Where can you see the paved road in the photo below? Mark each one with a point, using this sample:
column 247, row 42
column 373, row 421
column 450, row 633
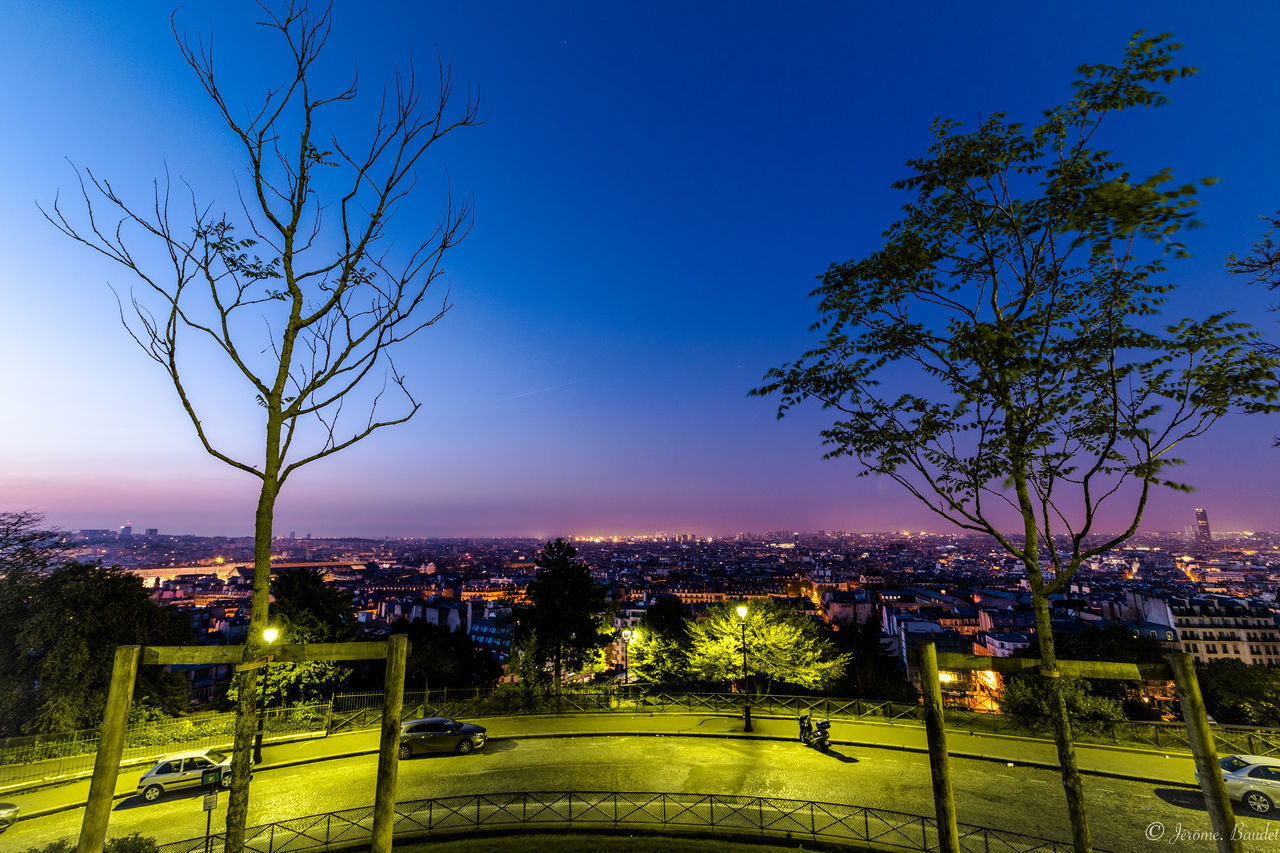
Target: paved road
column 1019, row 798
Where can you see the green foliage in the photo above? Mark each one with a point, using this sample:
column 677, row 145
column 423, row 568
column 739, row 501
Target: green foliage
column 310, row 611
column 659, row 648
column 295, row 683
column 1026, row 700
column 1263, row 261
column 305, row 610
column 873, row 672
column 27, row 552
column 67, row 626
column 135, row 843
column 782, row 646
column 1242, row 694
column 1109, row 643
column 60, row 846
column 27, row 548
column 566, row 624
column 1017, row 300
column 440, row 658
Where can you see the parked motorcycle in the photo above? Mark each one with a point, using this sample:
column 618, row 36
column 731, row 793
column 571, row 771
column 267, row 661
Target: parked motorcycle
column 820, row 737
column 815, row 734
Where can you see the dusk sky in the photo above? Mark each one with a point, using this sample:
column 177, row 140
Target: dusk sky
column 655, row 190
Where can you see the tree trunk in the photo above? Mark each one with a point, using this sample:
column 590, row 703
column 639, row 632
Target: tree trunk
column 1072, row 783
column 249, row 681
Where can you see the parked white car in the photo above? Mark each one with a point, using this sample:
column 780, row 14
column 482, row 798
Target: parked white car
column 1253, row 780
column 183, row 770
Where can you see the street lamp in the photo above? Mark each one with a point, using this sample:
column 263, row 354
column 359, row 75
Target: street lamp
column 626, row 648
column 269, row 635
column 746, row 691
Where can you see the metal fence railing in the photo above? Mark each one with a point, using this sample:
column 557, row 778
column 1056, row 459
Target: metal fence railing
column 360, row 710
column 59, row 756
column 53, row 757
column 830, row 823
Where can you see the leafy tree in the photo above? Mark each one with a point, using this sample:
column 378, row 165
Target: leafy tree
column 1242, row 693
column 1109, row 643
column 1263, row 260
column 305, row 296
column 1028, row 700
column 313, row 611
column 26, row 546
column 305, row 610
column 440, row 658
column 565, row 625
column 872, row 671
column 70, row 627
column 783, row 646
column 1017, row 300
column 27, row 551
column 1262, row 264
column 659, row 648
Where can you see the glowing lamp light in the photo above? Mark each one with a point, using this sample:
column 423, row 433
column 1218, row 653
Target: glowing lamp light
column 270, row 634
column 946, row 677
column 742, row 611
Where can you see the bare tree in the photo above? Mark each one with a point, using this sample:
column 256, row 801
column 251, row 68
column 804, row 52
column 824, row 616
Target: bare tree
column 302, row 292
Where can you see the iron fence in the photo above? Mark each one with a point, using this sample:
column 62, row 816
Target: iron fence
column 49, row 757
column 720, row 814
column 1171, row 737
column 44, row 758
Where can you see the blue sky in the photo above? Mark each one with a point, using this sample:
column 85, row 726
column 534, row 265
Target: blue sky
column 655, row 189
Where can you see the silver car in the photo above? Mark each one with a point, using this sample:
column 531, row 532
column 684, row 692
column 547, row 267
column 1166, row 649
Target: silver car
column 8, row 815
column 439, row 734
column 183, row 770
column 1254, row 780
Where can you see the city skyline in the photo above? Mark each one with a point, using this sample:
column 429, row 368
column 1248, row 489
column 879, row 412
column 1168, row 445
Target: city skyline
column 655, row 190
column 1197, row 531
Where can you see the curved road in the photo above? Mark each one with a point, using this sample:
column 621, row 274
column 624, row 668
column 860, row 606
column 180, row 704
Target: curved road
column 1020, row 799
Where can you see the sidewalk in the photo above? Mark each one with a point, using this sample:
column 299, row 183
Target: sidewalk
column 1123, row 763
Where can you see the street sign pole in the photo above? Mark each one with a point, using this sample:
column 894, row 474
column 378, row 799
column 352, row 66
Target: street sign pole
column 212, row 780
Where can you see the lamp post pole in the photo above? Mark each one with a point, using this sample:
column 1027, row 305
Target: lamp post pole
column 746, row 690
column 626, row 652
column 269, row 635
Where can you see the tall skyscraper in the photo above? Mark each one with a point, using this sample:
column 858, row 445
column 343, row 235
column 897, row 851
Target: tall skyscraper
column 1203, row 535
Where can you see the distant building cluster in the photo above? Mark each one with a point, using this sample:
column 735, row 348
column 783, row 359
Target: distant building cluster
column 1213, row 598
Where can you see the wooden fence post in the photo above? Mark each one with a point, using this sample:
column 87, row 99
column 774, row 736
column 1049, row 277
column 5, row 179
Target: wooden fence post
column 106, row 766
column 384, row 804
column 1221, row 816
column 935, row 728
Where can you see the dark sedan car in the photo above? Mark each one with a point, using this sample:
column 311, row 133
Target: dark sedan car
column 439, row 734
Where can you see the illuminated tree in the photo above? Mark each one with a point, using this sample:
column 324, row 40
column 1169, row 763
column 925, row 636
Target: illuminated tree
column 783, row 646
column 302, row 290
column 659, row 649
column 1016, row 300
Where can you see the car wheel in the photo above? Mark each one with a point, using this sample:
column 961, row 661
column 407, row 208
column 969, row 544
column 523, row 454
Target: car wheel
column 226, row 780
column 151, row 792
column 1258, row 802
column 464, row 746
column 405, row 752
